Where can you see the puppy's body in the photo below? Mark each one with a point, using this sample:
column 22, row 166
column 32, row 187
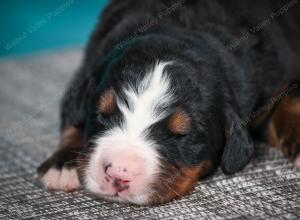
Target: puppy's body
column 224, row 60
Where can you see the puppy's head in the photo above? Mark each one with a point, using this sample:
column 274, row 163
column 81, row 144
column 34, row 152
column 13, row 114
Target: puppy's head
column 152, row 132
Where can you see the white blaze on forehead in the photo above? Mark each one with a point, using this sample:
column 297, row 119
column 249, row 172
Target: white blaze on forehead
column 145, row 102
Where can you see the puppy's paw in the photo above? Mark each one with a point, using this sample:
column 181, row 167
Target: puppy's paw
column 59, row 172
column 65, row 179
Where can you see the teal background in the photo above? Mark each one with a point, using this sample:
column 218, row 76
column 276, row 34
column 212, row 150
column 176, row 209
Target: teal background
column 31, row 26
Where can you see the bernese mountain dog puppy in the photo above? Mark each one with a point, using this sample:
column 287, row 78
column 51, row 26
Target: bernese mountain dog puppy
column 169, row 90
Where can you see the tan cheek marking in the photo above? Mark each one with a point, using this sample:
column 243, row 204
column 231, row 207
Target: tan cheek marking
column 72, row 137
column 180, row 182
column 107, row 102
column 179, row 122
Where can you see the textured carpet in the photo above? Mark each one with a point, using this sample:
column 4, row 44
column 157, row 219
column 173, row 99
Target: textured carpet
column 30, row 90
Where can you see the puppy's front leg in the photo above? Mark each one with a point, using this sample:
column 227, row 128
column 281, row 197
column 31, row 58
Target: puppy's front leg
column 59, row 172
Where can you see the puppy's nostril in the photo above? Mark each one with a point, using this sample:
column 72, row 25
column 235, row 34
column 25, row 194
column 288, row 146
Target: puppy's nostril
column 106, row 166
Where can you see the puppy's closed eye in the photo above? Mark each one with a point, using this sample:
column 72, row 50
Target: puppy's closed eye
column 179, row 122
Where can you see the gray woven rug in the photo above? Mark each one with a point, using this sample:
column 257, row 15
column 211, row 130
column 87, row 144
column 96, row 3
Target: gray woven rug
column 30, row 90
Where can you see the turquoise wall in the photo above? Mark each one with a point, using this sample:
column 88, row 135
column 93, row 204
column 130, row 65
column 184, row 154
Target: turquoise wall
column 30, row 26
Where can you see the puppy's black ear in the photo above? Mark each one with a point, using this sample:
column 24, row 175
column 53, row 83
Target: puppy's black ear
column 239, row 146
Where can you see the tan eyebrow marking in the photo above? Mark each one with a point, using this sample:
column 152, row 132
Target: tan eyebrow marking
column 107, row 102
column 179, row 122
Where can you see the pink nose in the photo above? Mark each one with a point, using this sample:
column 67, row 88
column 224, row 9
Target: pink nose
column 118, row 178
column 124, row 169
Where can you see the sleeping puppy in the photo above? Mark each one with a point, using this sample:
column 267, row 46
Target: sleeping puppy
column 168, row 91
